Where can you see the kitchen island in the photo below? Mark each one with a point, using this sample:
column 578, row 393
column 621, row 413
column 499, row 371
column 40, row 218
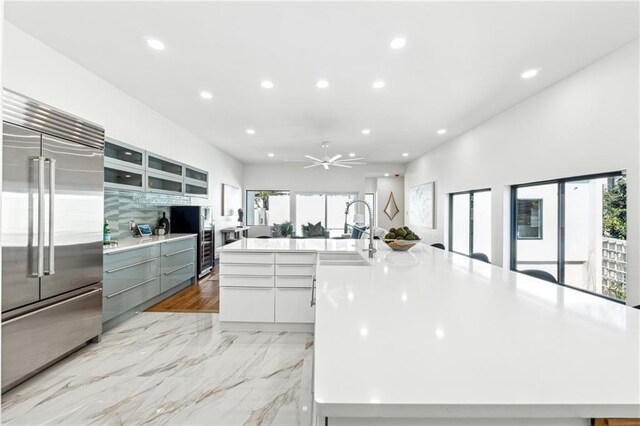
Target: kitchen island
column 427, row 335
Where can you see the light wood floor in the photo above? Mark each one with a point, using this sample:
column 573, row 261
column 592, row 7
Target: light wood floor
column 203, row 296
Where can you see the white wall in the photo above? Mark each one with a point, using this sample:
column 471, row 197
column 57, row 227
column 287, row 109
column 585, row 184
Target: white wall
column 33, row 69
column 359, row 179
column 385, row 186
column 584, row 124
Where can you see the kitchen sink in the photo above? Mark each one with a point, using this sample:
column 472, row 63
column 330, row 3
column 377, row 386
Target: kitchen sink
column 342, row 259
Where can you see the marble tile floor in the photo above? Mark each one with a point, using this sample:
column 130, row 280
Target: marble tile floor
column 172, row 368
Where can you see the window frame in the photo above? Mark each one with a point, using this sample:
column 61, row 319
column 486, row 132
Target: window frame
column 325, row 195
column 471, row 194
column 561, row 261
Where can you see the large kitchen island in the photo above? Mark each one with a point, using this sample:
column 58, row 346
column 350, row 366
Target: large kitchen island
column 427, row 337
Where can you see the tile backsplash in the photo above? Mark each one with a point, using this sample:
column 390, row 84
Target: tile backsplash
column 143, row 208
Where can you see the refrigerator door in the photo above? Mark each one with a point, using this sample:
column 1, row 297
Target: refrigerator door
column 73, row 216
column 20, row 220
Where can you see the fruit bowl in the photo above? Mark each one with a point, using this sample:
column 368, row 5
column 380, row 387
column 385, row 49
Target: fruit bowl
column 400, row 245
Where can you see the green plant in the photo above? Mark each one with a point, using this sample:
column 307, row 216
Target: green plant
column 614, row 212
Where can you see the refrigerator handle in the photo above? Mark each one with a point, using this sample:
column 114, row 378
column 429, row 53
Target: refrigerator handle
column 40, row 260
column 52, row 198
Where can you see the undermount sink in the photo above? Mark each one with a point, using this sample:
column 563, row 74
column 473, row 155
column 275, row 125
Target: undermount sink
column 342, row 259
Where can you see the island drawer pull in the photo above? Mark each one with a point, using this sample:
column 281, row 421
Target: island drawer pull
column 313, row 292
column 247, row 264
column 177, row 269
column 295, row 276
column 130, row 266
column 130, row 288
column 245, row 276
column 178, row 252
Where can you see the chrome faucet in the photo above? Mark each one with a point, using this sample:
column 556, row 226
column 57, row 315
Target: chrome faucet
column 371, row 249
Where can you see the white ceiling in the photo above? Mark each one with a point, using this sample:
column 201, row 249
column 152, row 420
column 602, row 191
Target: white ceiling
column 461, row 65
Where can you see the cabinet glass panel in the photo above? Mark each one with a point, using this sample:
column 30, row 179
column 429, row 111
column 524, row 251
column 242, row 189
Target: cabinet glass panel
column 121, row 153
column 164, row 165
column 195, row 190
column 195, row 174
column 121, row 177
column 160, row 184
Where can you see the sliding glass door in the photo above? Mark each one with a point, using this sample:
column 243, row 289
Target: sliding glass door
column 470, row 222
column 326, row 208
column 574, row 229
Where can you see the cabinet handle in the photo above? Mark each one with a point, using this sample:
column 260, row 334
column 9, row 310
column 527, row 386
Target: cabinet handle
column 130, row 288
column 313, row 292
column 178, row 252
column 130, row 266
column 246, row 276
column 177, row 269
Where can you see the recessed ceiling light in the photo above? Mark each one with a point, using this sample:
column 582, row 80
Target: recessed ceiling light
column 322, row 84
column 405, row 154
column 352, row 154
column 530, row 73
column 441, row 131
column 206, row 95
column 271, row 154
column 398, row 43
column 378, row 84
column 251, row 132
column 366, row 131
column 266, row 84
column 386, row 174
column 155, row 44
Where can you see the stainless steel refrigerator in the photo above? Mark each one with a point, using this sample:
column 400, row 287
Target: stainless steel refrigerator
column 197, row 220
column 52, row 218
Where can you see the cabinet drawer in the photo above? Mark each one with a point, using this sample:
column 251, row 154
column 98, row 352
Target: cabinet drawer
column 130, row 257
column 294, row 305
column 117, row 279
column 177, row 275
column 246, row 269
column 247, row 304
column 246, row 281
column 295, row 269
column 296, row 258
column 176, row 259
column 172, row 248
column 294, row 281
column 245, row 257
column 130, row 297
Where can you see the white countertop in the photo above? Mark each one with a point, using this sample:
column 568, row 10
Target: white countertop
column 133, row 243
column 294, row 244
column 431, row 333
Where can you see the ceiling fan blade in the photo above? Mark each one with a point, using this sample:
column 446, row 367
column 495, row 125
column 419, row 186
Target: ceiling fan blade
column 331, row 160
column 353, row 159
column 313, row 158
column 342, row 165
column 326, row 166
column 351, row 164
column 312, row 165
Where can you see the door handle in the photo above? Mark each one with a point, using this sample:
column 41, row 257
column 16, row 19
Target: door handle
column 52, row 198
column 40, row 259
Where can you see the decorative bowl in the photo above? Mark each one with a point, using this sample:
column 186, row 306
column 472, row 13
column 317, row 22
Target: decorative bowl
column 401, row 245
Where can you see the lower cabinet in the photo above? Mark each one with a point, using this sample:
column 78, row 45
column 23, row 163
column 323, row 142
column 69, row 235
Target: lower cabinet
column 294, row 305
column 247, row 304
column 134, row 277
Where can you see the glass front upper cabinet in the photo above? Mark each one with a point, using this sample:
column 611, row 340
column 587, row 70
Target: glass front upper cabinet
column 163, row 165
column 126, row 178
column 121, row 154
column 196, row 182
column 164, row 184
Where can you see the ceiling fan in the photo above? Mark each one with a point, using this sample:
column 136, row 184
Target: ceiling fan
column 335, row 161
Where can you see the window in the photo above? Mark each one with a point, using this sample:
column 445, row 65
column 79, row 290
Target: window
column 574, row 229
column 470, row 222
column 327, row 209
column 529, row 219
column 266, row 207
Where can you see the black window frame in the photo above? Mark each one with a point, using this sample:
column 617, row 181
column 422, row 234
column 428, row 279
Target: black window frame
column 561, row 261
column 471, row 194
